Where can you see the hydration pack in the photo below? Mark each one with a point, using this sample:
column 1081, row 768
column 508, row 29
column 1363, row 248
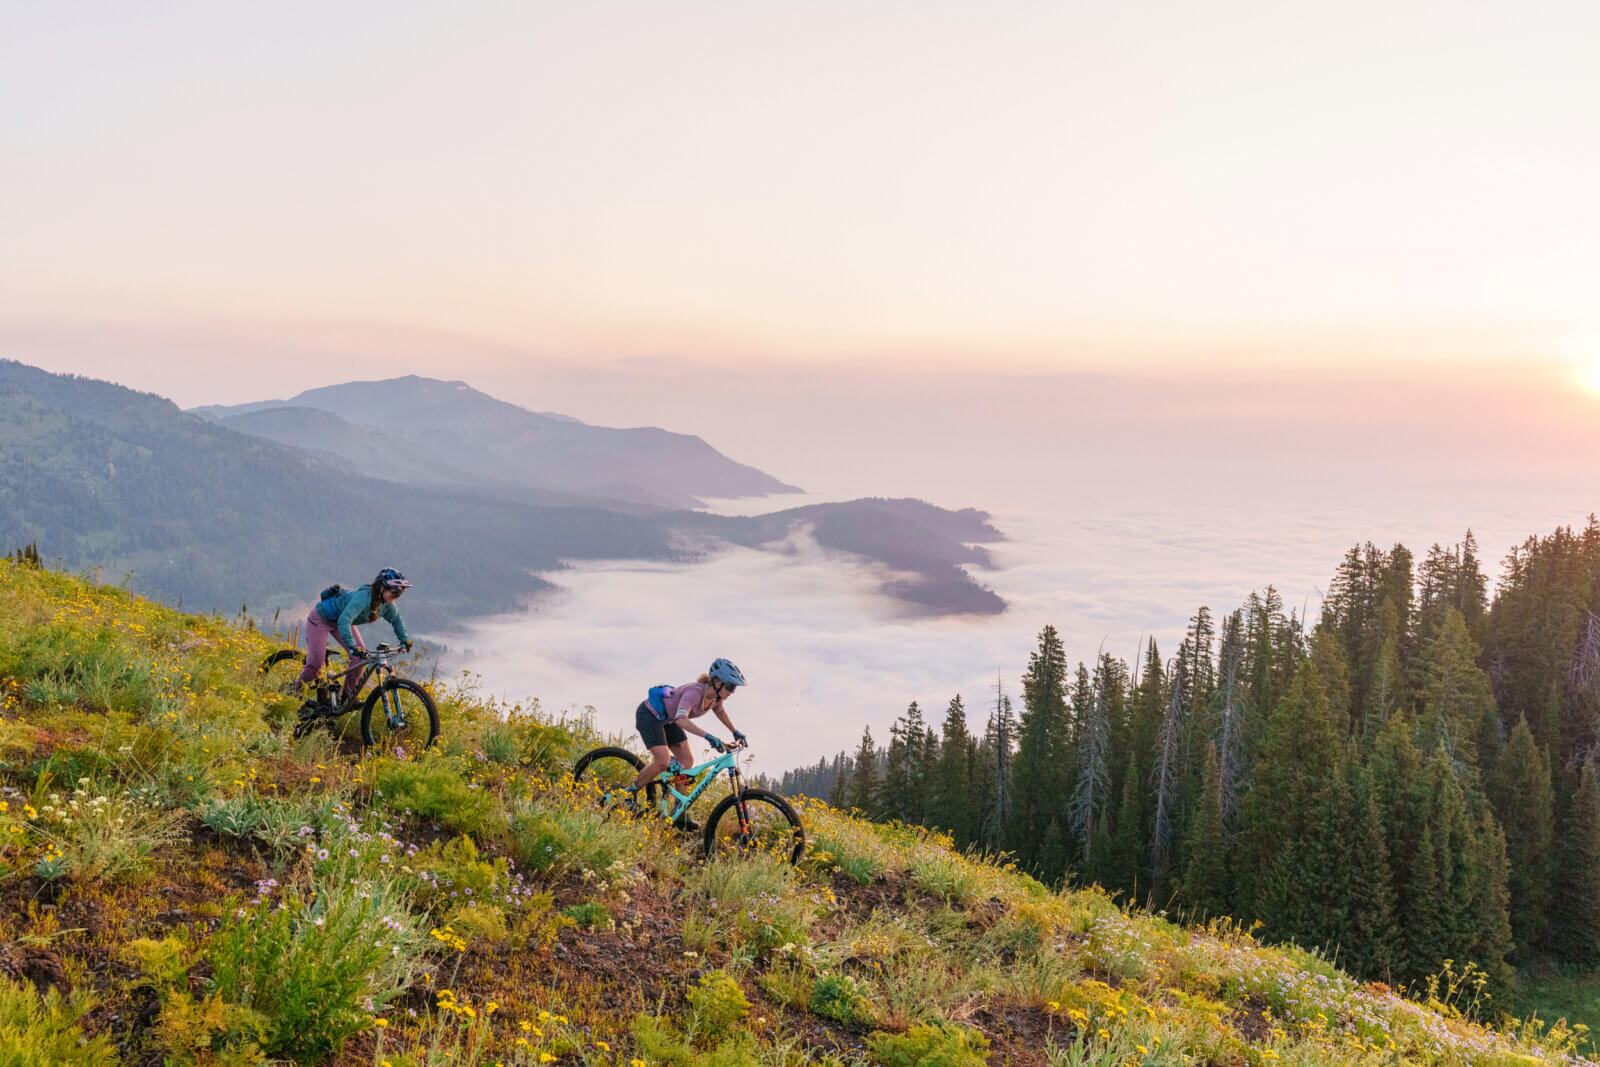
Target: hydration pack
column 325, row 602
column 657, row 699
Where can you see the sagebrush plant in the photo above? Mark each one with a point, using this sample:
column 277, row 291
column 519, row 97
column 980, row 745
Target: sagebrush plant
column 316, row 969
column 433, row 790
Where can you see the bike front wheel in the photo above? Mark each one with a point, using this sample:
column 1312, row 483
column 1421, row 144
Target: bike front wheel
column 400, row 717
column 755, row 821
column 610, row 773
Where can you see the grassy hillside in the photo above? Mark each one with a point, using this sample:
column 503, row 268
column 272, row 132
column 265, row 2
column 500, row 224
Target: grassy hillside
column 181, row 882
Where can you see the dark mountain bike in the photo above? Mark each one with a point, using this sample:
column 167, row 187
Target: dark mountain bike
column 407, row 712
column 747, row 820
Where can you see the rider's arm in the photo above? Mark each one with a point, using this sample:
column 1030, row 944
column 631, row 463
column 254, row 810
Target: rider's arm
column 723, row 715
column 392, row 613
column 349, row 615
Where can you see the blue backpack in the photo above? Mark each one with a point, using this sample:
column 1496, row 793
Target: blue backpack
column 325, row 600
column 657, row 699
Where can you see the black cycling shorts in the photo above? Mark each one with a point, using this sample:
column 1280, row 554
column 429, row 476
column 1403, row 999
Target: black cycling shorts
column 654, row 731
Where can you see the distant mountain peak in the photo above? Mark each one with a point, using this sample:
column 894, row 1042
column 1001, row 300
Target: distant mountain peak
column 465, row 431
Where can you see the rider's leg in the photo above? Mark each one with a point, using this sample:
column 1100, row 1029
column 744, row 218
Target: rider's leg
column 317, row 631
column 653, row 732
column 679, row 743
column 351, row 674
column 659, row 758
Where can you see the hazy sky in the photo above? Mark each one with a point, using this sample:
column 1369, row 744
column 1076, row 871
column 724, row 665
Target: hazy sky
column 1191, row 297
column 1047, row 186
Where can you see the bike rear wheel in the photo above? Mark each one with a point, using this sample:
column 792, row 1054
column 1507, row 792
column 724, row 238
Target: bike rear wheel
column 755, row 821
column 610, row 773
column 400, row 717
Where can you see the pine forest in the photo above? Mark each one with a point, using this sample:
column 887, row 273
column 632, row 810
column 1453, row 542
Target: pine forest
column 1412, row 782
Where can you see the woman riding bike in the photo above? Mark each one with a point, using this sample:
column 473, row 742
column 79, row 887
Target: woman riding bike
column 338, row 615
column 668, row 711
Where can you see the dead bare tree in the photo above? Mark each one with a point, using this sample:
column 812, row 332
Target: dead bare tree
column 1091, row 792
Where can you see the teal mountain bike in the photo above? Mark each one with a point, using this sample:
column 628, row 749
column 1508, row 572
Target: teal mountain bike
column 748, row 819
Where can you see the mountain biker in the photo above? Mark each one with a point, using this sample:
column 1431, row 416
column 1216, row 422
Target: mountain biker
column 669, row 710
column 338, row 616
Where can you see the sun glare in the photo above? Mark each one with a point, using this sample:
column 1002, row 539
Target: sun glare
column 1589, row 377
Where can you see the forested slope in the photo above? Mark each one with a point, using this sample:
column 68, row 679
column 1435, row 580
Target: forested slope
column 1410, row 780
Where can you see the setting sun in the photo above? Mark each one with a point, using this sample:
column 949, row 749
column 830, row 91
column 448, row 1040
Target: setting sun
column 1589, row 376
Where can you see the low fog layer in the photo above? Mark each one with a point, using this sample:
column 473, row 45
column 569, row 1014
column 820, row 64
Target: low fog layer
column 826, row 657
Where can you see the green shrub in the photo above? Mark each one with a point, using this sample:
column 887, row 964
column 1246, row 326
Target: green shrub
column 591, row 915
column 550, row 838
column 841, row 997
column 479, row 921
column 830, row 854
column 788, row 983
column 45, row 1030
column 316, row 970
column 660, row 1043
column 758, row 897
column 945, row 876
column 930, row 1045
column 719, row 1002
column 451, row 875
column 433, row 790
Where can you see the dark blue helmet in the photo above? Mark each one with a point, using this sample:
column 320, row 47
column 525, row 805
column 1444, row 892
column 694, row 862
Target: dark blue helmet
column 725, row 672
column 389, row 578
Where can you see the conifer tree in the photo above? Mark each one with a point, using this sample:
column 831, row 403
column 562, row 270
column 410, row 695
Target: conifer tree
column 1425, row 936
column 1167, row 776
column 1386, row 691
column 1371, row 938
column 1040, row 773
column 1122, row 865
column 953, row 777
column 901, row 795
column 863, row 793
column 1523, row 801
column 1577, row 919
column 1303, row 752
column 1493, row 943
column 1000, row 733
column 1333, row 667
column 1205, row 873
column 1456, row 695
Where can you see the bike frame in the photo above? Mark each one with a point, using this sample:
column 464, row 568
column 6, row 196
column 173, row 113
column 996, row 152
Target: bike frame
column 703, row 774
column 377, row 661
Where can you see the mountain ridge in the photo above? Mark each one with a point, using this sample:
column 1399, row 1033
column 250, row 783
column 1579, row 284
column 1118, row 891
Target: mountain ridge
column 463, row 430
column 99, row 474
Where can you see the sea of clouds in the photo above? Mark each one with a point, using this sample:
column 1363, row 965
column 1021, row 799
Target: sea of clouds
column 1117, row 530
